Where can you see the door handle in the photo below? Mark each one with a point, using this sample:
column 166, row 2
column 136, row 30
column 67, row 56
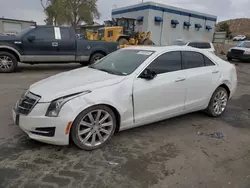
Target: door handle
column 54, row 44
column 180, row 79
column 215, row 71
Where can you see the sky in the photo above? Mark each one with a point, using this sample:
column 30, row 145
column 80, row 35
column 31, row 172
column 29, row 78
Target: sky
column 224, row 9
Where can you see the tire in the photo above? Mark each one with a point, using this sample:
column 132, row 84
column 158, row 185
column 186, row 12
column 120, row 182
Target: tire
column 89, row 130
column 229, row 58
column 84, row 63
column 95, row 57
column 147, row 42
column 123, row 41
column 220, row 97
column 8, row 62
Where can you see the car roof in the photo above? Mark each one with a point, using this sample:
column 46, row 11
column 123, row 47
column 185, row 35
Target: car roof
column 160, row 49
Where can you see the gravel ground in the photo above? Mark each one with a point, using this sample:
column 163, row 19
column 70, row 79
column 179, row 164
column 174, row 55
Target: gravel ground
column 167, row 154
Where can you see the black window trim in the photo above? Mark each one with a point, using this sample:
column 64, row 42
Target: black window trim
column 208, row 59
column 146, row 66
column 193, row 67
column 184, row 67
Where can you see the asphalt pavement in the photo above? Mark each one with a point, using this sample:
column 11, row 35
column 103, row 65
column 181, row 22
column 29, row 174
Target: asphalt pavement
column 181, row 152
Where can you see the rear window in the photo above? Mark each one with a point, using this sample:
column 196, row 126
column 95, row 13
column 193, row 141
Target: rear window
column 200, row 45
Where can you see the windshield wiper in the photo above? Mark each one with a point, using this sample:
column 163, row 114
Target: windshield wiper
column 113, row 72
column 109, row 71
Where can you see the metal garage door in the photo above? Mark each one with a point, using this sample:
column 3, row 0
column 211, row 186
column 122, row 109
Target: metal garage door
column 10, row 27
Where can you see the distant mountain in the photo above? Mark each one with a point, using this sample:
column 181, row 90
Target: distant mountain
column 240, row 26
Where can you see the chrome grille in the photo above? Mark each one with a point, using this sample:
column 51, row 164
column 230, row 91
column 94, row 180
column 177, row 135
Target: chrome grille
column 27, row 103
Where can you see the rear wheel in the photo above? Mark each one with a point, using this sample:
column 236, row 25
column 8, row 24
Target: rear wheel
column 147, row 42
column 123, row 41
column 218, row 102
column 94, row 127
column 95, row 57
column 8, row 62
column 229, row 58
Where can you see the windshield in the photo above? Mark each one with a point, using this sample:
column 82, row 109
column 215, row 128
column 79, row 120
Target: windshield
column 243, row 44
column 122, row 62
column 179, row 43
column 23, row 32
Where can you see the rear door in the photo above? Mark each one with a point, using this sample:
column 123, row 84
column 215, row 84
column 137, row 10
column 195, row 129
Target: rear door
column 66, row 43
column 202, row 76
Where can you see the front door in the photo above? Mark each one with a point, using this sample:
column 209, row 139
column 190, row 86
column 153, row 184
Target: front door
column 42, row 44
column 165, row 94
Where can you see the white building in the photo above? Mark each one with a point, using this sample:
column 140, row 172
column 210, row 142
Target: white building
column 168, row 23
column 12, row 26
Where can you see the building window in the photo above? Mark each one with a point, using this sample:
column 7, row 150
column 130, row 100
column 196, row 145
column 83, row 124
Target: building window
column 208, row 27
column 174, row 23
column 198, row 26
column 186, row 25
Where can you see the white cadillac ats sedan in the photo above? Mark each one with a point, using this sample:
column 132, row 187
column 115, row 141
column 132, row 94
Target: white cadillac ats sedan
column 128, row 88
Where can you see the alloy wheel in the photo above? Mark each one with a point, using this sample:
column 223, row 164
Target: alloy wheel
column 95, row 128
column 220, row 102
column 5, row 63
column 97, row 58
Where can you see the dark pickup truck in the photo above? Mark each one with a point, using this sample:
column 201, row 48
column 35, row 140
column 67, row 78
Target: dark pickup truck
column 50, row 44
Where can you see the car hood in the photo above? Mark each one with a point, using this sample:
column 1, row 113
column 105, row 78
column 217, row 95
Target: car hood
column 71, row 82
column 240, row 48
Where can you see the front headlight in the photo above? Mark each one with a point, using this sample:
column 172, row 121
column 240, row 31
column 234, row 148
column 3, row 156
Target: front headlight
column 247, row 52
column 56, row 105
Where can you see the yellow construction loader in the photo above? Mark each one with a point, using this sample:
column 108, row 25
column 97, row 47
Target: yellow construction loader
column 91, row 35
column 122, row 30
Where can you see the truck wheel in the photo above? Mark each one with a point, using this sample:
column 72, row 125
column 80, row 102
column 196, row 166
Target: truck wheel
column 95, row 57
column 229, row 58
column 123, row 41
column 148, row 42
column 93, row 127
column 8, row 62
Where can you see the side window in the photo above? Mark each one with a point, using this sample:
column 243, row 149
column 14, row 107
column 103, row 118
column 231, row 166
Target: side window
column 44, row 33
column 208, row 62
column 65, row 34
column 110, row 33
column 193, row 60
column 168, row 62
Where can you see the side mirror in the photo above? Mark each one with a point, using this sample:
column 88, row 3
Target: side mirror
column 31, row 38
column 148, row 74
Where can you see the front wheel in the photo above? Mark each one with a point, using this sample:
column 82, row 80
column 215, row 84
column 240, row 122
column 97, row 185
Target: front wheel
column 148, row 42
column 229, row 58
column 95, row 57
column 8, row 62
column 218, row 102
column 94, row 127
